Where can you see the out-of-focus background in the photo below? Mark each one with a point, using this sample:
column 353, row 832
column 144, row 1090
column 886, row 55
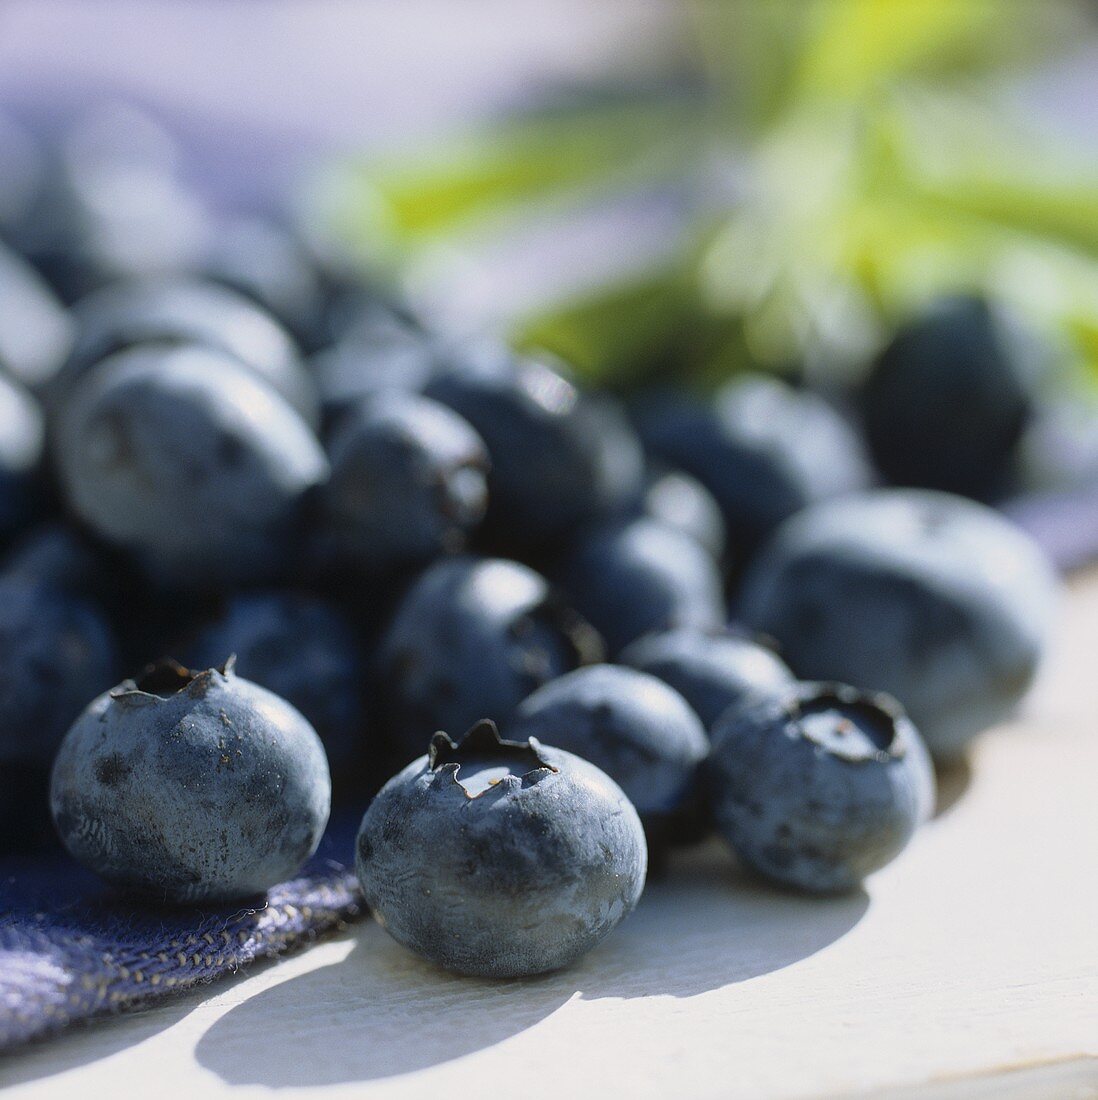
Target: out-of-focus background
column 803, row 164
column 651, row 189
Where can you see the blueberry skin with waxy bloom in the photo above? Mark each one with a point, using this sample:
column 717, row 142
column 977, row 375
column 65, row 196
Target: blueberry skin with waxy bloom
column 57, row 650
column 682, row 503
column 634, row 727
column 408, row 482
column 35, row 329
column 191, row 787
column 170, row 312
column 711, row 670
column 634, row 577
column 186, row 459
column 933, row 598
column 820, row 786
column 947, row 401
column 763, row 449
column 382, row 352
column 22, row 438
column 303, row 648
column 500, row 859
column 473, row 636
column 559, row 458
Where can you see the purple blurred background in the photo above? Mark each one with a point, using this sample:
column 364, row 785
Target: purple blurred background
column 252, row 87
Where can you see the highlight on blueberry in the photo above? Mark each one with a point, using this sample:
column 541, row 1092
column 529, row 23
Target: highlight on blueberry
column 190, row 462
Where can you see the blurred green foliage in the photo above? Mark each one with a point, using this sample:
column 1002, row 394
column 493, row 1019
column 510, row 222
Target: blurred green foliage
column 844, row 161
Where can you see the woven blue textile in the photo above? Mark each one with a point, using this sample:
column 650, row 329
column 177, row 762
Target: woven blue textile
column 70, row 949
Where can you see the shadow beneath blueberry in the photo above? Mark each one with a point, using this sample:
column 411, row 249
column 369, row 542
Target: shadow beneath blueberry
column 953, row 779
column 92, row 1040
column 701, row 926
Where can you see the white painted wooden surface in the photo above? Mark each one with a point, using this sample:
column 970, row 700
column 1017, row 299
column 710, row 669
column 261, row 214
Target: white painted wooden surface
column 970, row 964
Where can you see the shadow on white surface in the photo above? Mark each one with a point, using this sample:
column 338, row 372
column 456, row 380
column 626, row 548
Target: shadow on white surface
column 953, row 778
column 382, row 1012
column 88, row 1042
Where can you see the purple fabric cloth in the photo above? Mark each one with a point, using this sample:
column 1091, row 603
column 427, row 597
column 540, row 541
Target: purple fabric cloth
column 71, row 950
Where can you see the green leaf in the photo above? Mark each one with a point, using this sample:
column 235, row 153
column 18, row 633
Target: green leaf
column 403, row 201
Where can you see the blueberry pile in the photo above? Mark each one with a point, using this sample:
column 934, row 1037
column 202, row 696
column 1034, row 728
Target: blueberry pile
column 309, row 535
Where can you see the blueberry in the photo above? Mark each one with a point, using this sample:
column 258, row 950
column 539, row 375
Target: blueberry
column 263, row 261
column 473, row 637
column 35, row 329
column 22, row 434
column 25, row 825
column 558, row 458
column 189, row 460
column 634, row 727
column 22, row 170
column 499, row 858
column 59, row 554
column 181, row 311
column 301, row 647
column 407, row 482
column 381, row 353
column 947, row 401
column 763, row 449
column 191, row 787
column 682, row 503
column 111, row 207
column 819, row 786
column 634, row 577
column 57, row 651
column 933, row 598
column 711, row 670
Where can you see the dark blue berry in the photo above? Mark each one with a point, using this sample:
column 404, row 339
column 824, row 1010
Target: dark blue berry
column 947, row 401
column 682, row 503
column 407, row 482
column 634, row 577
column 303, row 648
column 499, row 858
column 57, row 651
column 711, row 670
column 819, row 786
column 558, row 458
column 190, row 461
column 473, row 637
column 634, row 727
column 191, row 788
column 177, row 311
column 763, row 449
column 932, row 598
column 261, row 260
column 22, row 436
column 35, row 330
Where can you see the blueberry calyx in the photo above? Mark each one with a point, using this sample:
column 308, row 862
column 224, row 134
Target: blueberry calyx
column 166, row 678
column 482, row 746
column 876, row 716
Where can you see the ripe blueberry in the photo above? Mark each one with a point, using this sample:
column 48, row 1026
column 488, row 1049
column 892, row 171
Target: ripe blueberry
column 500, row 858
column 820, row 785
column 191, row 787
